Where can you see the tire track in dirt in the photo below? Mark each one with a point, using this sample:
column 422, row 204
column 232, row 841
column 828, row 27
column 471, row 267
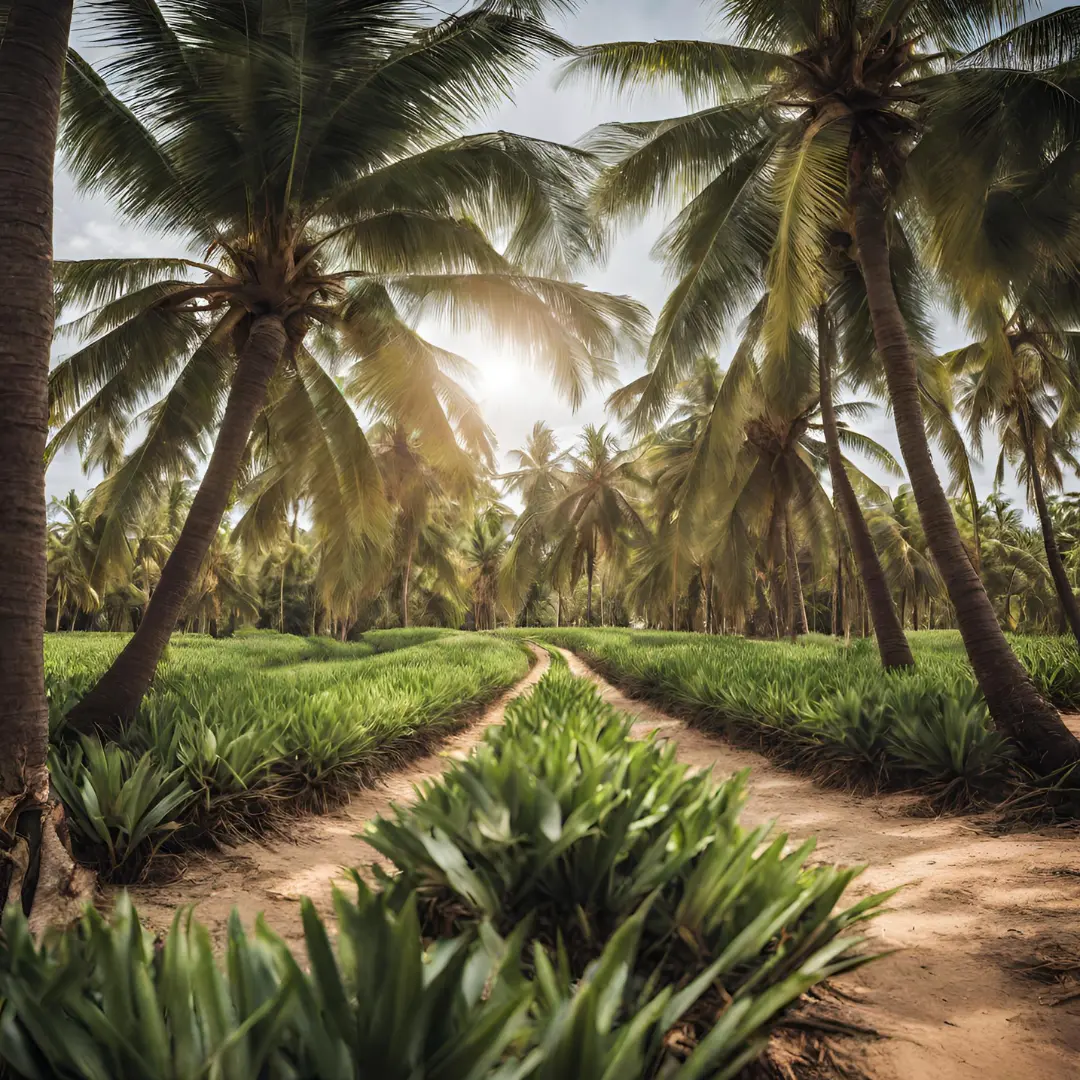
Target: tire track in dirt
column 972, row 905
column 270, row 876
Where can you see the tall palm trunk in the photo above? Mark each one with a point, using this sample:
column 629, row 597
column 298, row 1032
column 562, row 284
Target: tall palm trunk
column 405, row 590
column 1018, row 709
column 123, row 686
column 675, row 584
column 838, row 597
column 792, row 568
column 33, row 51
column 589, row 567
column 892, row 643
column 1066, row 597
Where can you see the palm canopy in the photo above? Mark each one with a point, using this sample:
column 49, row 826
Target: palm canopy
column 312, row 154
column 814, row 100
column 599, row 507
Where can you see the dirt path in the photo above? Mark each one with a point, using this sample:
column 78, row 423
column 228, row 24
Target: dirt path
column 272, row 876
column 972, row 906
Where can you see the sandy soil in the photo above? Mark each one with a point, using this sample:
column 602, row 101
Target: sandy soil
column 973, row 906
column 272, row 876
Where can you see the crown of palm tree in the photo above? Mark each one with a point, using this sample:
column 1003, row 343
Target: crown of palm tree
column 312, row 154
column 815, row 98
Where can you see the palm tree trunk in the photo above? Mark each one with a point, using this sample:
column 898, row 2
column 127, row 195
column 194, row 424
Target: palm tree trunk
column 1066, row 596
column 558, row 609
column 839, row 614
column 589, row 573
column 800, row 596
column 792, row 572
column 33, row 51
column 124, row 685
column 674, row 583
column 406, row 573
column 1018, row 709
column 281, row 602
column 892, row 644
column 915, row 609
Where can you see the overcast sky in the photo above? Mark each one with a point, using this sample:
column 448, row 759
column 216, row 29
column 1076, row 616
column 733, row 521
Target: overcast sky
column 512, row 395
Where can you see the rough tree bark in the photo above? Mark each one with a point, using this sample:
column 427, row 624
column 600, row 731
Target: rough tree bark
column 1018, row 710
column 36, row 868
column 121, row 689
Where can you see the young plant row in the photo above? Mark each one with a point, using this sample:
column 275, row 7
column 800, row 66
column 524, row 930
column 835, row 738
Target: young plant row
column 831, row 709
column 237, row 735
column 571, row 905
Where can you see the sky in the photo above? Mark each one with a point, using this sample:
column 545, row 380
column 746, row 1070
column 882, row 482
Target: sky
column 512, row 394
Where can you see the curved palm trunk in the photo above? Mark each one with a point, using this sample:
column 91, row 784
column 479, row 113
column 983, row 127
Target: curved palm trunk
column 1018, row 709
column 892, row 643
column 123, row 686
column 1067, row 598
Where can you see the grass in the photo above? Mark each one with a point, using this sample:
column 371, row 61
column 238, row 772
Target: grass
column 237, row 735
column 830, row 709
column 571, row 905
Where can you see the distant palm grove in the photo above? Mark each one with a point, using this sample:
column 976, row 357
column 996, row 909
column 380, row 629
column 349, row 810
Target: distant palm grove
column 278, row 442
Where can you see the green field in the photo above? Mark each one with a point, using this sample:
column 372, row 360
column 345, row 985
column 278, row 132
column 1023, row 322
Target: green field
column 829, row 707
column 567, row 898
column 237, row 734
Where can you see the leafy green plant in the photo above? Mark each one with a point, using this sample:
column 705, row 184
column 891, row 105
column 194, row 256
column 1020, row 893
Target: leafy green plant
column 829, row 709
column 120, row 808
column 259, row 727
column 382, row 1006
column 103, row 1001
column 950, row 750
column 561, row 819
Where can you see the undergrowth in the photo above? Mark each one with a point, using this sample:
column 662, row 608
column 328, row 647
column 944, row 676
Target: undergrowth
column 238, row 736
column 571, row 905
column 831, row 710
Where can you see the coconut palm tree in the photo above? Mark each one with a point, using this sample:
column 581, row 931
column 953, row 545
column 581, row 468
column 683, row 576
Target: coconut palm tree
column 899, row 536
column 486, row 545
column 599, row 507
column 314, row 160
column 1017, row 391
column 75, row 572
column 802, row 134
column 33, row 40
column 539, row 479
column 888, row 627
column 419, row 489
